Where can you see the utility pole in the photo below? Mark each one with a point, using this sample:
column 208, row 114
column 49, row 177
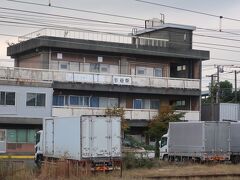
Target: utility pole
column 212, row 99
column 218, row 85
column 235, row 86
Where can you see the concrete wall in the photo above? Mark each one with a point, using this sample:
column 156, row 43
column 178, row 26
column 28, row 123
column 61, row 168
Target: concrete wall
column 20, row 109
column 180, row 39
column 39, row 60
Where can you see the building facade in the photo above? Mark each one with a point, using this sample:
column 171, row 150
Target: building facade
column 92, row 71
column 22, row 107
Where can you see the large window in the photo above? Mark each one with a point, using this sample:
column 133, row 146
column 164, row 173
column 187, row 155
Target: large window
column 154, row 104
column 158, row 72
column 36, row 99
column 7, row 98
column 138, row 104
column 94, row 67
column 58, row 100
column 108, row 102
column 97, row 67
column 140, row 71
column 21, row 135
column 79, row 101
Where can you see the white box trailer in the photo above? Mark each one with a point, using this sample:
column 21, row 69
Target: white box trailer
column 199, row 140
column 235, row 142
column 80, row 138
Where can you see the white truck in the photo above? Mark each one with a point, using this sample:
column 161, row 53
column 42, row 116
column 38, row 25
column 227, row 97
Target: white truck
column 200, row 141
column 95, row 139
column 235, row 142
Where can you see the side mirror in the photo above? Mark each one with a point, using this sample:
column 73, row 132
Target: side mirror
column 160, row 144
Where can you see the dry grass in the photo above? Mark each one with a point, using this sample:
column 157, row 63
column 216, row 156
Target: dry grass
column 60, row 172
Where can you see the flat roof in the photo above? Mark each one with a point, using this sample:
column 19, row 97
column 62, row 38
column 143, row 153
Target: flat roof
column 166, row 25
column 103, row 47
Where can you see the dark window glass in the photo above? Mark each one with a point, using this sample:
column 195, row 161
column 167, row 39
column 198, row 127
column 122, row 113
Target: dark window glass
column 10, row 98
column 58, row 100
column 137, row 104
column 94, row 101
column 36, row 99
column 31, row 99
column 94, row 67
column 2, row 98
column 163, row 141
column 154, row 104
column 74, row 100
column 40, row 99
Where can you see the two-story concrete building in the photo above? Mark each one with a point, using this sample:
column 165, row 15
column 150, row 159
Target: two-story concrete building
column 92, row 71
column 22, row 106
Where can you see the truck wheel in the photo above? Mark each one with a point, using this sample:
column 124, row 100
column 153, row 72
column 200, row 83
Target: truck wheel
column 165, row 158
column 38, row 161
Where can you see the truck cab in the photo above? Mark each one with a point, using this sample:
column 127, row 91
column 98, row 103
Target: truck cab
column 39, row 148
column 163, row 149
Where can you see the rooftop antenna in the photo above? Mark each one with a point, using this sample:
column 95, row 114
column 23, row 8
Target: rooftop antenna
column 162, row 20
column 220, row 23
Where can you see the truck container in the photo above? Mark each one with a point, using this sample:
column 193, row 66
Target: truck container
column 221, row 112
column 85, row 138
column 201, row 141
column 235, row 142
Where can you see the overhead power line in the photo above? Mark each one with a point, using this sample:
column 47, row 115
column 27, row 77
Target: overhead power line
column 108, row 14
column 188, row 10
column 79, row 10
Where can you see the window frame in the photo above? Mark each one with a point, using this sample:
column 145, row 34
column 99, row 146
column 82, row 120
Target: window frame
column 158, row 68
column 57, row 103
column 5, row 98
column 142, row 106
column 141, row 68
column 36, row 99
column 154, row 100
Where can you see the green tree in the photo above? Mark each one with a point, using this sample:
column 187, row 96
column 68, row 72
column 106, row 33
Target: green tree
column 225, row 92
column 158, row 126
column 118, row 112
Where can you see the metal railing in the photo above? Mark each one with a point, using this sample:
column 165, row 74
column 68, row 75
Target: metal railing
column 131, row 114
column 96, row 36
column 46, row 75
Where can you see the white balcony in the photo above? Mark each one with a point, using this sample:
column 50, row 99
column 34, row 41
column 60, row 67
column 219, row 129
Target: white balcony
column 46, row 75
column 130, row 114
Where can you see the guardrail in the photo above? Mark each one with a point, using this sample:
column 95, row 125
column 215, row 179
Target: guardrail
column 131, row 114
column 46, row 75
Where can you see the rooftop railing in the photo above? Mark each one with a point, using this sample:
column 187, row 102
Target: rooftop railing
column 96, row 36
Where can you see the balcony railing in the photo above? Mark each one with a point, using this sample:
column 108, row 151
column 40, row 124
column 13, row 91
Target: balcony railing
column 46, row 75
column 130, row 114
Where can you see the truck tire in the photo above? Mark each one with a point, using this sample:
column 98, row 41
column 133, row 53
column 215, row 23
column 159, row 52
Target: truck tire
column 39, row 160
column 165, row 158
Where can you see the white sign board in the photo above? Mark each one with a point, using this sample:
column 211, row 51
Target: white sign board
column 122, row 80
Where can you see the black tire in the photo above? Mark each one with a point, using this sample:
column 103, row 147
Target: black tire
column 165, row 158
column 39, row 160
